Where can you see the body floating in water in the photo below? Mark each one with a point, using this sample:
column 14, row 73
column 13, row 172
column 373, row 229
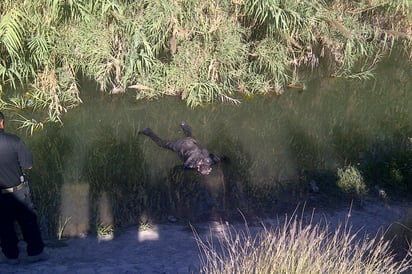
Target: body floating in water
column 188, row 150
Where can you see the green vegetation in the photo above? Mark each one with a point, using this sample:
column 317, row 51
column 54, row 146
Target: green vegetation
column 202, row 51
column 350, row 180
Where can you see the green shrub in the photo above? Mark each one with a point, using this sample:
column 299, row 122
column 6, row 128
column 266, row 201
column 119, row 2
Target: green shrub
column 351, row 181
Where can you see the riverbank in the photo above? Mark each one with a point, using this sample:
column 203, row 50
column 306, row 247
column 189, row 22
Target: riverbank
column 171, row 248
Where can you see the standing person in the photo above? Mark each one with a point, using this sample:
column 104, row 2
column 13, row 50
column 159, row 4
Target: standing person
column 15, row 202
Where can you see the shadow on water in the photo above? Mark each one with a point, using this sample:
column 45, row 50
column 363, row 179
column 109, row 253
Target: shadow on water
column 114, row 168
column 98, row 167
column 219, row 194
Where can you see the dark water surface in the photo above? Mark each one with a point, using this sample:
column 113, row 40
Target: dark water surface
column 332, row 123
column 329, row 124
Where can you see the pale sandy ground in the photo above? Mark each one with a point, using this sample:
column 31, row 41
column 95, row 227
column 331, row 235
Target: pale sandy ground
column 171, row 248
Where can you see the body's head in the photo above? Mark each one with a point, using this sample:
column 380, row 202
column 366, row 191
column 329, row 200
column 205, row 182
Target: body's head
column 204, row 164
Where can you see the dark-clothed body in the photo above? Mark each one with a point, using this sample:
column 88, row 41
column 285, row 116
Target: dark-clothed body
column 16, row 205
column 188, row 150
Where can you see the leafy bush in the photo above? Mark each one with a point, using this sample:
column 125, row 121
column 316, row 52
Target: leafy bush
column 351, row 181
column 388, row 165
column 199, row 50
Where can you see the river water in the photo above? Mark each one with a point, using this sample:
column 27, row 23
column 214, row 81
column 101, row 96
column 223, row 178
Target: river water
column 327, row 125
column 331, row 124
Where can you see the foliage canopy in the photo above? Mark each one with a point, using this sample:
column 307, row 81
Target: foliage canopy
column 202, row 51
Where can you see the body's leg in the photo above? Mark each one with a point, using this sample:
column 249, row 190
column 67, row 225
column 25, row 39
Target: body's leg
column 8, row 235
column 27, row 219
column 186, row 129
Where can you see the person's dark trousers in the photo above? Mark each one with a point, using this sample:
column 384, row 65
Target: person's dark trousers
column 17, row 206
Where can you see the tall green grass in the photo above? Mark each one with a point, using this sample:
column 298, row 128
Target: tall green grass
column 203, row 52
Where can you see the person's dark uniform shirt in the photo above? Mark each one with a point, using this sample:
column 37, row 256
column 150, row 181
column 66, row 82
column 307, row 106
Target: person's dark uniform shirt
column 14, row 156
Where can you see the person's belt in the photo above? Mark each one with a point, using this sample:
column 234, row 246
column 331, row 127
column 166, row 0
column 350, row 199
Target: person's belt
column 12, row 189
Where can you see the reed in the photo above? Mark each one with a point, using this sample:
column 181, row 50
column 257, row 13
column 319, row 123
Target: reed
column 204, row 52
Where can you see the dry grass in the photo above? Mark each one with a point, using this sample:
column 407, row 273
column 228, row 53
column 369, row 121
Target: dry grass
column 295, row 247
column 401, row 233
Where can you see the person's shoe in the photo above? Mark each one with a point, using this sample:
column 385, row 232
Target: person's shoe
column 39, row 257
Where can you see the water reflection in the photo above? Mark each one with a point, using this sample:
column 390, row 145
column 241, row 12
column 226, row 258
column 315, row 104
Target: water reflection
column 75, row 208
column 271, row 141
